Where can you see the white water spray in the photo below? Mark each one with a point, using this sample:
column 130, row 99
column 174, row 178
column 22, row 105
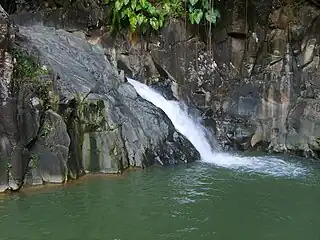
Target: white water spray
column 196, row 134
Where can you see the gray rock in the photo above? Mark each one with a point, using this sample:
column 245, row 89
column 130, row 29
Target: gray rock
column 255, row 76
column 8, row 127
column 118, row 128
column 49, row 155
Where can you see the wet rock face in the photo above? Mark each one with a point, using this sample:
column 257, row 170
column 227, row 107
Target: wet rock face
column 69, row 15
column 8, row 123
column 65, row 110
column 89, row 119
column 260, row 70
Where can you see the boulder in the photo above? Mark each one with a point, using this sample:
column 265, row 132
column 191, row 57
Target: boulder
column 105, row 118
column 49, row 154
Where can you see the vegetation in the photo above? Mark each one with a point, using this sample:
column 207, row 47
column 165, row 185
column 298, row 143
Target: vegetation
column 9, row 166
column 29, row 73
column 46, row 129
column 199, row 9
column 144, row 16
column 34, row 160
column 26, row 66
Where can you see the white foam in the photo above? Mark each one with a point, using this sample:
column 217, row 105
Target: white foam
column 196, row 134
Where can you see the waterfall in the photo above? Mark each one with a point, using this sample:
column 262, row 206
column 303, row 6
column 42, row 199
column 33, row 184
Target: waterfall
column 196, row 133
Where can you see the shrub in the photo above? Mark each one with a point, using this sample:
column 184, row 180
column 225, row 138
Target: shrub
column 145, row 15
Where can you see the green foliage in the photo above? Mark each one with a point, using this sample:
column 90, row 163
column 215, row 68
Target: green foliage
column 27, row 73
column 174, row 8
column 138, row 14
column 202, row 9
column 46, row 129
column 147, row 15
column 26, row 66
column 34, row 160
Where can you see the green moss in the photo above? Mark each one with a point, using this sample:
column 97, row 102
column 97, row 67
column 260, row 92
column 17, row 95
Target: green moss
column 46, row 129
column 29, row 73
column 34, row 161
column 9, row 165
column 91, row 113
column 27, row 66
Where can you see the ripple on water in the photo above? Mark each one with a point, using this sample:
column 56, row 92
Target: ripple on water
column 260, row 165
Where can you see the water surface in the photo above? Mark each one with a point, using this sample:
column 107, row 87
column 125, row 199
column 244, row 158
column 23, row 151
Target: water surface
column 198, row 201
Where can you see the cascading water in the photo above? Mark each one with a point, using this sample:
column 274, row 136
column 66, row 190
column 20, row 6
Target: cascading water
column 196, row 134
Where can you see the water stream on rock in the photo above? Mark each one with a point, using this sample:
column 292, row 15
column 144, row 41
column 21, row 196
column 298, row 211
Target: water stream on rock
column 196, row 133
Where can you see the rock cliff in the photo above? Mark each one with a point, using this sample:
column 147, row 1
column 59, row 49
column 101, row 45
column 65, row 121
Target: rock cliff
column 65, row 111
column 255, row 78
column 256, row 75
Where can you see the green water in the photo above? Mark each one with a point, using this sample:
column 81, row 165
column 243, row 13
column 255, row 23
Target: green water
column 194, row 202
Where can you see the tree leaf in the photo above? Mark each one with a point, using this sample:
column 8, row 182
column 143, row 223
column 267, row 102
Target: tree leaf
column 166, row 8
column 140, row 18
column 212, row 15
column 206, row 4
column 118, row 5
column 138, row 7
column 126, row 2
column 191, row 18
column 129, row 12
column 217, row 13
column 144, row 28
column 133, row 4
column 154, row 23
column 161, row 21
column 143, row 3
column 197, row 15
column 151, row 9
column 133, row 23
column 123, row 13
column 193, row 2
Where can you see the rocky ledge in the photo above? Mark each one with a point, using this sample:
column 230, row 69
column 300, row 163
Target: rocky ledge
column 65, row 111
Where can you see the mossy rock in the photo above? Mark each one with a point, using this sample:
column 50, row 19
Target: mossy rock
column 29, row 73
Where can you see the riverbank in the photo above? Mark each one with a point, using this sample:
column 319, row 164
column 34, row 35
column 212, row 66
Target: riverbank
column 35, row 189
